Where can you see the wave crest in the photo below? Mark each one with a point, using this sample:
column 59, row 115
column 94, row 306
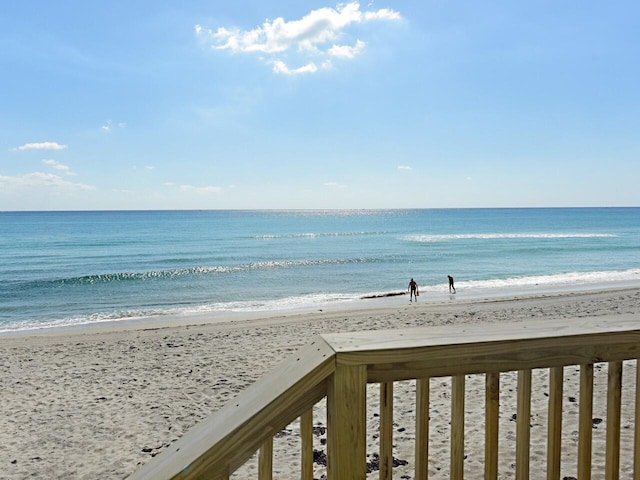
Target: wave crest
column 277, row 236
column 502, row 236
column 204, row 270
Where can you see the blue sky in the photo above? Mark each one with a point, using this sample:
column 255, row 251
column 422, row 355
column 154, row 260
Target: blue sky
column 287, row 104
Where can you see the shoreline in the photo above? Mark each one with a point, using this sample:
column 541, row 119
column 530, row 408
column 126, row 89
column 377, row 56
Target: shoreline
column 386, row 300
column 97, row 403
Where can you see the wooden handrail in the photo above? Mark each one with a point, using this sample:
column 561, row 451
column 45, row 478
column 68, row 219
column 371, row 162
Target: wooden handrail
column 338, row 367
column 225, row 441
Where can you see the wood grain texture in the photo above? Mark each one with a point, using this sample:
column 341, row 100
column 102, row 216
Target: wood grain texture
column 614, row 396
column 265, row 460
column 306, row 437
column 438, row 351
column 422, row 429
column 223, row 442
column 554, row 429
column 339, row 366
column 386, row 431
column 523, row 425
column 492, row 415
column 636, row 433
column 457, row 427
column 347, row 424
column 585, row 422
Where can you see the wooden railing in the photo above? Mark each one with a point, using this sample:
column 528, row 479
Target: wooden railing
column 338, row 367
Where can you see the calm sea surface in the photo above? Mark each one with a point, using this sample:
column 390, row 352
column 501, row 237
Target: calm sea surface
column 72, row 268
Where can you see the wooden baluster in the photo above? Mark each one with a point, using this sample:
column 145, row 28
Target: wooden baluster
column 386, row 430
column 585, row 422
column 636, row 436
column 614, row 388
column 265, row 461
column 492, row 412
column 457, row 427
column 554, row 433
column 422, row 429
column 523, row 425
column 346, row 423
column 306, row 435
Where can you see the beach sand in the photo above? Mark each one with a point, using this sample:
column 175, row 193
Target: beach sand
column 97, row 405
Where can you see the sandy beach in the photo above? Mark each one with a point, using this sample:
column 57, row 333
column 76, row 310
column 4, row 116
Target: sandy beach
column 98, row 404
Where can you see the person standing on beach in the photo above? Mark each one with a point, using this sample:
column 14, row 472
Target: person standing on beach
column 451, row 287
column 413, row 290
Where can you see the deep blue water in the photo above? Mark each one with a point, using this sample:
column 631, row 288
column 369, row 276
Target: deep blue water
column 63, row 268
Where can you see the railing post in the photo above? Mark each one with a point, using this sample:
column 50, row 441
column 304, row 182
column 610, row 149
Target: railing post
column 523, row 425
column 386, row 430
column 554, row 433
column 457, row 427
column 492, row 409
column 585, row 422
column 636, row 433
column 614, row 386
column 346, row 423
column 265, row 460
column 306, row 435
column 422, row 428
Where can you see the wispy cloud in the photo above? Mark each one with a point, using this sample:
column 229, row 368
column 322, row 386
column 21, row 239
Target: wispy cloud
column 311, row 39
column 58, row 166
column 334, row 185
column 42, row 180
column 108, row 126
column 404, row 167
column 206, row 190
column 147, row 168
column 41, row 146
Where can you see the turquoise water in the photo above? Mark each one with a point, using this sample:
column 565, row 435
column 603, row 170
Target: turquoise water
column 68, row 268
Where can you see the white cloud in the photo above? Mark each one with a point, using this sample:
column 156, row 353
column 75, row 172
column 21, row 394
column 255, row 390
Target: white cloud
column 314, row 35
column 404, row 167
column 281, row 67
column 383, row 14
column 315, row 28
column 41, row 146
column 327, row 65
column 345, row 51
column 58, row 166
column 42, row 180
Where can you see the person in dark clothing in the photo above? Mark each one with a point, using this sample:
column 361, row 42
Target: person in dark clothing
column 451, row 287
column 413, row 290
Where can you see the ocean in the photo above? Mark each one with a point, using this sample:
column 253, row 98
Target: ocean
column 84, row 268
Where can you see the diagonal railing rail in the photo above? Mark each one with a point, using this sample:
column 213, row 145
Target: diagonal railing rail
column 338, row 367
